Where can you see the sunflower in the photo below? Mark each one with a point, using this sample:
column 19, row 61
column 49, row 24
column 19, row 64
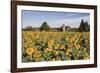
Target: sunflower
column 37, row 54
column 84, row 49
column 86, row 56
column 56, row 46
column 29, row 51
column 77, row 46
column 50, row 42
column 48, row 50
column 62, row 46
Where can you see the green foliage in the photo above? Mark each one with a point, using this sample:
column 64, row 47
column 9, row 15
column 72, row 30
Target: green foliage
column 84, row 26
column 55, row 46
column 45, row 27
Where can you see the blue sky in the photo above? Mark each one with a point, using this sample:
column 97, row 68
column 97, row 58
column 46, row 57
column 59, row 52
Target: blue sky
column 54, row 19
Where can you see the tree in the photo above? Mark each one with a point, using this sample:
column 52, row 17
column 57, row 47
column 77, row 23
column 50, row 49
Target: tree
column 84, row 26
column 88, row 27
column 81, row 27
column 45, row 27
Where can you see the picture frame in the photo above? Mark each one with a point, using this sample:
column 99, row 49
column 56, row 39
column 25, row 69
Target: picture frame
column 16, row 34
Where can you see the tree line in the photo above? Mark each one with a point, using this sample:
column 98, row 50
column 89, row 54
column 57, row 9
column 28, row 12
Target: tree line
column 83, row 27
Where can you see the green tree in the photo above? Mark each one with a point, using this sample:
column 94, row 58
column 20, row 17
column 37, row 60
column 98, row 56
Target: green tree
column 84, row 26
column 44, row 27
column 81, row 27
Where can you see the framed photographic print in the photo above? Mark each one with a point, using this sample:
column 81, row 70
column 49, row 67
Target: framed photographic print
column 52, row 36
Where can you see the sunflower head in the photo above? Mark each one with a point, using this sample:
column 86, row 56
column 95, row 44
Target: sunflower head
column 50, row 42
column 29, row 51
column 37, row 54
column 77, row 46
column 48, row 50
column 62, row 46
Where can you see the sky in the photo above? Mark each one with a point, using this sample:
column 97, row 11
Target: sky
column 54, row 19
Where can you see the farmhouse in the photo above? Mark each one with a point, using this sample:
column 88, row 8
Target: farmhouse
column 65, row 28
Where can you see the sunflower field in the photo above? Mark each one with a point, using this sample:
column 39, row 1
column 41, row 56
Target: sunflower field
column 55, row 46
